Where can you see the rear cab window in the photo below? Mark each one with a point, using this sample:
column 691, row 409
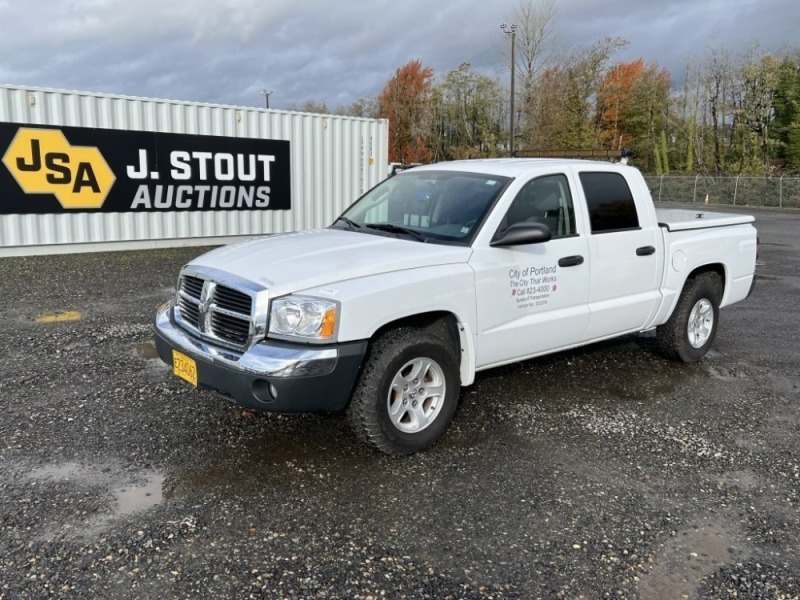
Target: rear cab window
column 609, row 201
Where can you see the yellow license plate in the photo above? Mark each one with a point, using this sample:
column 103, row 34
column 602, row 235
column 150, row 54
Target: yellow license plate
column 184, row 367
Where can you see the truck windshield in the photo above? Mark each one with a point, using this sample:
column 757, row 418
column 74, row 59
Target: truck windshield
column 430, row 206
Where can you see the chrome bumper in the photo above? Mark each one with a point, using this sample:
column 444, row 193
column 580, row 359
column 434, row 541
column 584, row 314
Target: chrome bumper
column 263, row 359
column 270, row 375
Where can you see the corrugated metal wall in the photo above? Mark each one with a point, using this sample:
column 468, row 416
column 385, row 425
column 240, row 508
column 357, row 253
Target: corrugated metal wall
column 334, row 160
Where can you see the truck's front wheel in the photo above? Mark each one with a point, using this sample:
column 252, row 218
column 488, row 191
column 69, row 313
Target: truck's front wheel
column 689, row 332
column 408, row 392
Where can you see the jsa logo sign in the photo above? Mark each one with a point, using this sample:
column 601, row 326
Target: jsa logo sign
column 44, row 162
column 57, row 170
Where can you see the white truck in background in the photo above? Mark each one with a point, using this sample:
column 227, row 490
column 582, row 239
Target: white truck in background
column 443, row 271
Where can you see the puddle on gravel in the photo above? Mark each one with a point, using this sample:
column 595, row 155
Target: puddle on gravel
column 744, row 480
column 641, row 389
column 257, row 467
column 285, row 456
column 655, row 379
column 66, row 472
column 131, row 493
column 146, row 350
column 133, row 498
column 724, row 374
column 686, row 559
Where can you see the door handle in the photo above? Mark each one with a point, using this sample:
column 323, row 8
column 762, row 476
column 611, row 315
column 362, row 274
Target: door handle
column 645, row 251
column 570, row 261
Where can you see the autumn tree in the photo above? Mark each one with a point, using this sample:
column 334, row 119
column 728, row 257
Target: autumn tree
column 582, row 74
column 545, row 108
column 752, row 101
column 717, row 77
column 727, row 123
column 405, row 102
column 735, row 114
column 468, row 111
column 684, row 118
column 614, row 103
column 535, row 21
column 633, row 110
column 310, row 106
column 535, row 39
column 366, row 107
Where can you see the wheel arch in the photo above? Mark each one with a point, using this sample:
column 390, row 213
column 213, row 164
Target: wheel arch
column 449, row 328
column 717, row 268
column 673, row 287
column 690, row 330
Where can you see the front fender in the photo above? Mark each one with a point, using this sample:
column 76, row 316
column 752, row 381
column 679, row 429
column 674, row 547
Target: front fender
column 370, row 303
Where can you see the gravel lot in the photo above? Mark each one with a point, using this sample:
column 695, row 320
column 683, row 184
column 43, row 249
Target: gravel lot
column 601, row 473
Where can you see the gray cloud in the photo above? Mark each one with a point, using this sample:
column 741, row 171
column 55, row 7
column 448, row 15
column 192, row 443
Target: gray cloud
column 227, row 51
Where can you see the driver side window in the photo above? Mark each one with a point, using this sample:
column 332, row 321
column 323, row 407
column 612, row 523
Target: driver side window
column 545, row 200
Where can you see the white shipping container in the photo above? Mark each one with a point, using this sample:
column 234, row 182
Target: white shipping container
column 334, row 159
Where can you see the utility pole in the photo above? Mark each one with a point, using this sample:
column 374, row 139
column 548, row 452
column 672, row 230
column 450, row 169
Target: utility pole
column 511, row 30
column 266, row 95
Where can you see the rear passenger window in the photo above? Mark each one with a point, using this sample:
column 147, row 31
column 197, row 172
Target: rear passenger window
column 610, row 202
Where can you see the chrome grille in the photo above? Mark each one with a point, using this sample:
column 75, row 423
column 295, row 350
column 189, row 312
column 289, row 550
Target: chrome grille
column 192, row 286
column 230, row 299
column 230, row 328
column 189, row 311
column 216, row 312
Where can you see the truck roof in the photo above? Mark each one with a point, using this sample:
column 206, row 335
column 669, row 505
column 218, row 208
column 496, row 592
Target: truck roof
column 514, row 167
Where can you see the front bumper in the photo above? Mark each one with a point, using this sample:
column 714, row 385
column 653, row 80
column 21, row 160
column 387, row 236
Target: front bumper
column 270, row 375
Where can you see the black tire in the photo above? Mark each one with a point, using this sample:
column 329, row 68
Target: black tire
column 392, row 357
column 674, row 338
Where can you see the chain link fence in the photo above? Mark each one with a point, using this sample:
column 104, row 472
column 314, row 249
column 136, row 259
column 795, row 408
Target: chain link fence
column 780, row 192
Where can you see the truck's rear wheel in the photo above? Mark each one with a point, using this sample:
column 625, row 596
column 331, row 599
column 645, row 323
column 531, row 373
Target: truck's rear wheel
column 408, row 392
column 690, row 331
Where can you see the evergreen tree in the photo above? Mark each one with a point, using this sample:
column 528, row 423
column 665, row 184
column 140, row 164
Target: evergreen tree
column 786, row 124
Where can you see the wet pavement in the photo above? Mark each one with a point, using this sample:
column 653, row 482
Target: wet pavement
column 603, row 472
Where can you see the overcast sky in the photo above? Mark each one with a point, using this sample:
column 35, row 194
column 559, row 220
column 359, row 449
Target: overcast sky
column 227, row 51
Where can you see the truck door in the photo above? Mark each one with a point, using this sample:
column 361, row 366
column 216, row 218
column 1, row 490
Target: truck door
column 623, row 287
column 533, row 298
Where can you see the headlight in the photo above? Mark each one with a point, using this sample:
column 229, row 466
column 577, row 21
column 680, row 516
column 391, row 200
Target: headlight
column 304, row 317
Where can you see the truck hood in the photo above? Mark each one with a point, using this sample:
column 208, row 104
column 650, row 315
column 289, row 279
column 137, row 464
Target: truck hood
column 287, row 263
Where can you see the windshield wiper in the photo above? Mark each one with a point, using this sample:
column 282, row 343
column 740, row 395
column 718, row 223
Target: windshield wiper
column 352, row 225
column 391, row 228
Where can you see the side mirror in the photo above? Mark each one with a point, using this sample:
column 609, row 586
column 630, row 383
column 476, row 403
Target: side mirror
column 521, row 234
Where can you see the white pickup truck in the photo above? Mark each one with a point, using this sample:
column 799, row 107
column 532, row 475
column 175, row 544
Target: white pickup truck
column 442, row 271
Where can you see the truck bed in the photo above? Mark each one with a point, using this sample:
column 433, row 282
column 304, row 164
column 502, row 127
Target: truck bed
column 681, row 219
